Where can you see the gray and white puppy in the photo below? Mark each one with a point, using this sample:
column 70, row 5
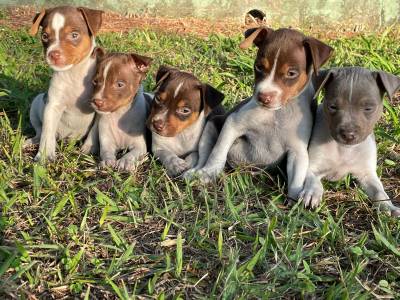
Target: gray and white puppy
column 122, row 108
column 277, row 120
column 343, row 141
column 183, row 107
column 68, row 38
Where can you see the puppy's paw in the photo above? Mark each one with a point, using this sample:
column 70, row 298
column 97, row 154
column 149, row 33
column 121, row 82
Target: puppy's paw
column 396, row 212
column 208, row 175
column 125, row 164
column 49, row 157
column 176, row 167
column 30, row 142
column 89, row 149
column 311, row 196
column 190, row 174
column 111, row 163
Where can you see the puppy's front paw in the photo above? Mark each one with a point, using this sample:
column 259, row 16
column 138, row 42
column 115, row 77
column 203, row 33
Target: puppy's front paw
column 176, row 167
column 31, row 141
column 311, row 196
column 125, row 164
column 190, row 174
column 89, row 149
column 108, row 163
column 208, row 175
column 49, row 157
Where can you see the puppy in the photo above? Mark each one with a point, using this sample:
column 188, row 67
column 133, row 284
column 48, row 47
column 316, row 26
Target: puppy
column 181, row 108
column 122, row 108
column 277, row 120
column 343, row 141
column 68, row 38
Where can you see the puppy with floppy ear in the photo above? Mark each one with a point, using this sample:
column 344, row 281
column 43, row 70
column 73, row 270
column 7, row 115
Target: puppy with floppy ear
column 68, row 38
column 181, row 109
column 276, row 121
column 343, row 141
column 122, row 108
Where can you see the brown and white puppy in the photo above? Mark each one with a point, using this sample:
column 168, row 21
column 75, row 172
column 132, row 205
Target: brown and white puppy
column 122, row 108
column 68, row 38
column 276, row 122
column 181, row 108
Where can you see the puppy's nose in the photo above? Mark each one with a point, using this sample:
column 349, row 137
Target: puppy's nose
column 267, row 97
column 348, row 135
column 55, row 55
column 98, row 102
column 158, row 125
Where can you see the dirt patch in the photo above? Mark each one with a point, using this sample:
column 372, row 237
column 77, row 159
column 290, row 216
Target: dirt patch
column 21, row 16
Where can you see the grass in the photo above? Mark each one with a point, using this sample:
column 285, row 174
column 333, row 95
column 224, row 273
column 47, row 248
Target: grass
column 70, row 230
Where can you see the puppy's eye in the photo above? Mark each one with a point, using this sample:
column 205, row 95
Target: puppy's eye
column 332, row 107
column 157, row 100
column 95, row 82
column 258, row 69
column 292, row 74
column 184, row 111
column 45, row 37
column 369, row 109
column 74, row 35
column 120, row 84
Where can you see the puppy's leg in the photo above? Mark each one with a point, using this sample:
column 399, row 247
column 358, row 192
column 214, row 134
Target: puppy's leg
column 36, row 117
column 130, row 159
column 311, row 195
column 51, row 119
column 297, row 165
column 91, row 144
column 207, row 141
column 192, row 159
column 372, row 185
column 217, row 159
column 174, row 165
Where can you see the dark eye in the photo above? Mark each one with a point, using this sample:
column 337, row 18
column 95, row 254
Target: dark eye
column 74, row 35
column 292, row 74
column 95, row 82
column 120, row 84
column 184, row 111
column 45, row 37
column 258, row 69
column 332, row 107
column 369, row 109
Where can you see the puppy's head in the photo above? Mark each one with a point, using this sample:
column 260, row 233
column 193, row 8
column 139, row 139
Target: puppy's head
column 117, row 80
column 284, row 63
column 353, row 101
column 67, row 34
column 179, row 100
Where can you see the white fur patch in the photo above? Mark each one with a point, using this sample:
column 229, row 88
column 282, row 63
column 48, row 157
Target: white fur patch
column 178, row 89
column 268, row 84
column 99, row 94
column 57, row 24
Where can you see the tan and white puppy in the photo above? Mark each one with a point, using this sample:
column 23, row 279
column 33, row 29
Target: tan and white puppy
column 122, row 108
column 276, row 122
column 68, row 38
column 182, row 107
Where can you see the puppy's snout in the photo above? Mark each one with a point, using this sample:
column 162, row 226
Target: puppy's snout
column 98, row 103
column 158, row 125
column 347, row 134
column 267, row 97
column 54, row 55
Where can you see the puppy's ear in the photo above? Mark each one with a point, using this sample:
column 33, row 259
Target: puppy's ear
column 37, row 21
column 98, row 53
column 321, row 80
column 387, row 83
column 255, row 36
column 93, row 18
column 162, row 74
column 210, row 97
column 318, row 53
column 142, row 62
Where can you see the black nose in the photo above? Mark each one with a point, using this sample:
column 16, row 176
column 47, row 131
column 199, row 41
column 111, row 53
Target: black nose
column 158, row 125
column 348, row 135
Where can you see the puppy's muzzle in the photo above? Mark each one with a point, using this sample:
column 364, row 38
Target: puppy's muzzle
column 158, row 125
column 98, row 103
column 267, row 98
column 55, row 57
